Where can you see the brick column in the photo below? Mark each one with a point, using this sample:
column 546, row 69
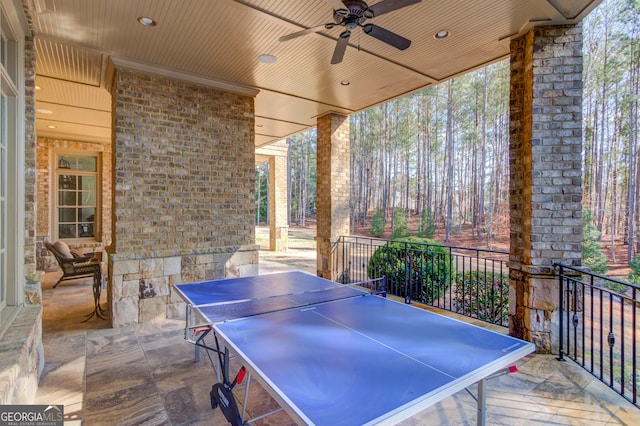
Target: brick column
column 277, row 155
column 183, row 192
column 332, row 186
column 546, row 176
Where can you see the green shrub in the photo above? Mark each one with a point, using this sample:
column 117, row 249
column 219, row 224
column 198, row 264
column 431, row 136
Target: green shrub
column 634, row 275
column 417, row 263
column 483, row 295
column 377, row 223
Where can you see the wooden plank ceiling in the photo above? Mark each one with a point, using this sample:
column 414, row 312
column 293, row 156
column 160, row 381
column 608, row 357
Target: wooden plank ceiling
column 219, row 43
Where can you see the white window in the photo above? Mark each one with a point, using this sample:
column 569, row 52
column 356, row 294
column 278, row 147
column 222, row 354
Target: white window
column 76, row 206
column 11, row 162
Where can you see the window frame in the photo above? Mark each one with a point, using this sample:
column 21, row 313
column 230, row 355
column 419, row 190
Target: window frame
column 55, row 192
column 4, row 204
column 12, row 86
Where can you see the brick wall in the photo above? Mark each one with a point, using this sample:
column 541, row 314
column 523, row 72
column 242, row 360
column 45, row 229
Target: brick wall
column 184, row 192
column 546, row 174
column 30, row 156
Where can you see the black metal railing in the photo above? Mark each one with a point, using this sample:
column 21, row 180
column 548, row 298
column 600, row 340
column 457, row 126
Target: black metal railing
column 468, row 281
column 598, row 323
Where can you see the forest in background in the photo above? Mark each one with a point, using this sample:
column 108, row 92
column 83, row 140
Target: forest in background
column 443, row 152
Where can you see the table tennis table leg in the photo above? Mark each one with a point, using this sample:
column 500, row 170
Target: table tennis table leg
column 481, row 403
column 246, row 397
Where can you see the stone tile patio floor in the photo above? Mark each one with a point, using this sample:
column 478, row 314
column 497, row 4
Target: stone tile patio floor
column 145, row 374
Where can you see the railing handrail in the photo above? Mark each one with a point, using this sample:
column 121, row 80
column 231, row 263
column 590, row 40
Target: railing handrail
column 400, row 240
column 589, row 272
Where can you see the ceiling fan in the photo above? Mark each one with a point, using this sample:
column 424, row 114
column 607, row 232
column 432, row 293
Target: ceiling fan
column 352, row 14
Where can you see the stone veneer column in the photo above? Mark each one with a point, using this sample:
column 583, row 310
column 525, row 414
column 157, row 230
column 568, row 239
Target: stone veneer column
column 546, row 176
column 277, row 154
column 184, row 192
column 332, row 186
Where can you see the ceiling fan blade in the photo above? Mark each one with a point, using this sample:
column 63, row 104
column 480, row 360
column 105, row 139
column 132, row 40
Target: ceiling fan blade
column 386, row 6
column 341, row 47
column 301, row 33
column 387, row 36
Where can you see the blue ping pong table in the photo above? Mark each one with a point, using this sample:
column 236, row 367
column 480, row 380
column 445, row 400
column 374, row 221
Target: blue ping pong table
column 332, row 354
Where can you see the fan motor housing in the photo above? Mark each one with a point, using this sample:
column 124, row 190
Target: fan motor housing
column 356, row 14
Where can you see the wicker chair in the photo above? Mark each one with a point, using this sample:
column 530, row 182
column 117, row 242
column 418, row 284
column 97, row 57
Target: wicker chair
column 73, row 264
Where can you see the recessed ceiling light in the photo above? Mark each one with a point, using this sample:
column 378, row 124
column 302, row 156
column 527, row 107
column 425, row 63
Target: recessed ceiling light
column 345, row 82
column 258, row 125
column 38, row 88
column 267, row 59
column 44, row 111
column 147, row 22
column 51, row 126
column 441, row 34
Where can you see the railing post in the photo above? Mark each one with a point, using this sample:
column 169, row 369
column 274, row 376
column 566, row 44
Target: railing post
column 561, row 311
column 407, row 275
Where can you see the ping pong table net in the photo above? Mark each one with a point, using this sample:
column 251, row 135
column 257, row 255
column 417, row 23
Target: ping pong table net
column 235, row 309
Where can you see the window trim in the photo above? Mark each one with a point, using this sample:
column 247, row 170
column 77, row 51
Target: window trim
column 12, row 82
column 54, row 191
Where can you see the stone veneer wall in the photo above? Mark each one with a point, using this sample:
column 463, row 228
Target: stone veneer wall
column 184, row 192
column 546, row 176
column 30, row 152
column 45, row 148
column 22, row 357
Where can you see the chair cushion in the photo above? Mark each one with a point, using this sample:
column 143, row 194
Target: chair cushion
column 63, row 249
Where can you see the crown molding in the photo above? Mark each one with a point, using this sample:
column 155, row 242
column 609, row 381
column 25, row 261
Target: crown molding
column 188, row 77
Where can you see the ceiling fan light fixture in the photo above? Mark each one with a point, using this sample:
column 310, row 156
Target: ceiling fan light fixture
column 146, row 21
column 442, row 34
column 267, row 59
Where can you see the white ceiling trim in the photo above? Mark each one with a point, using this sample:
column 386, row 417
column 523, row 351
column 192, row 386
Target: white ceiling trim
column 180, row 75
column 74, row 136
